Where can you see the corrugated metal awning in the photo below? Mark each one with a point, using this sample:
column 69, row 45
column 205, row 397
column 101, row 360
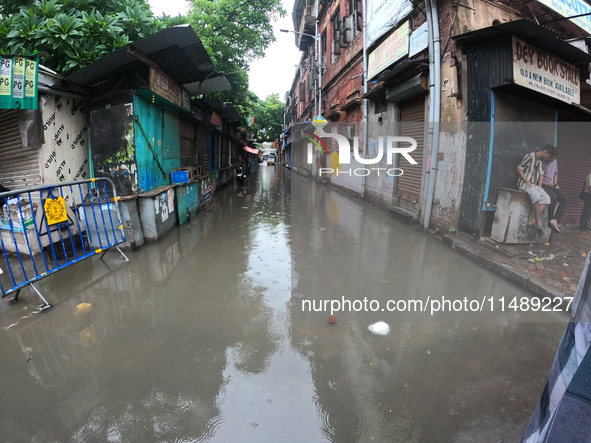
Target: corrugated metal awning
column 207, row 86
column 533, row 33
column 226, row 110
column 178, row 51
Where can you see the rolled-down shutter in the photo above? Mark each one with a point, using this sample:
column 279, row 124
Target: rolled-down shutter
column 574, row 163
column 412, row 124
column 19, row 166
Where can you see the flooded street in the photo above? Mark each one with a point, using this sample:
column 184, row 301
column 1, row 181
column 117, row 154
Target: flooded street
column 202, row 337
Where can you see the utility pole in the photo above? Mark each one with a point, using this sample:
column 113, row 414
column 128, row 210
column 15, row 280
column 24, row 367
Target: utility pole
column 317, row 63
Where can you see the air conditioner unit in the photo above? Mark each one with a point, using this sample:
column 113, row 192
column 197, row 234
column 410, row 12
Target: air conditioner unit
column 310, row 10
column 336, row 35
column 358, row 16
column 336, row 47
column 347, row 33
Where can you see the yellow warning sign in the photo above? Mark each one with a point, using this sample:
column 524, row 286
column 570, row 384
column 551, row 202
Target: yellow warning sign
column 55, row 210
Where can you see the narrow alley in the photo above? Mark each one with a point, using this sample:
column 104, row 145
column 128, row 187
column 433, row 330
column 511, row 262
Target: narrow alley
column 203, row 336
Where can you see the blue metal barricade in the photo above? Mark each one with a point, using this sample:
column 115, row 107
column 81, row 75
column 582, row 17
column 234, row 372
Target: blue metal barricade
column 47, row 228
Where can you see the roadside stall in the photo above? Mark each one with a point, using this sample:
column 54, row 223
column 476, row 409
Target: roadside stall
column 143, row 124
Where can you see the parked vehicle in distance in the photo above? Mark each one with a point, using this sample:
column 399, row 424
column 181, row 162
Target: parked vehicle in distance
column 271, row 160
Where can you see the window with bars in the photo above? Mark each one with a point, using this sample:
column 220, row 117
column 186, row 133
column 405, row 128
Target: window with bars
column 336, row 36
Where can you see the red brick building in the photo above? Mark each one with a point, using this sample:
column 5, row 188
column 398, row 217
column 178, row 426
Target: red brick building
column 476, row 84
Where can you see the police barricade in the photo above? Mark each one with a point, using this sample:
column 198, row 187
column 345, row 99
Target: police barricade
column 47, row 228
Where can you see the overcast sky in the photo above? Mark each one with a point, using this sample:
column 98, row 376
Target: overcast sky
column 272, row 74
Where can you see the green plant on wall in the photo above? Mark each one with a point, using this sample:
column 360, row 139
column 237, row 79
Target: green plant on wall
column 126, row 155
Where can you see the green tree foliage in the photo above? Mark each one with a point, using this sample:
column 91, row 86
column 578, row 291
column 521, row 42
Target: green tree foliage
column 73, row 33
column 236, row 32
column 268, row 117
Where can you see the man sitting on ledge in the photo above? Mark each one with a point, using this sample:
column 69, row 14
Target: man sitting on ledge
column 531, row 176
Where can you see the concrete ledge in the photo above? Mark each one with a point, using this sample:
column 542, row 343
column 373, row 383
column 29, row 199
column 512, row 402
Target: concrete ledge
column 482, row 256
column 343, row 190
column 401, row 214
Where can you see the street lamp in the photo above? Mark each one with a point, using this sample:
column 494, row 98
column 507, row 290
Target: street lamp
column 316, row 37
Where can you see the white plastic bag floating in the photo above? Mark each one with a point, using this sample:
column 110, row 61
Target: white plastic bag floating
column 379, row 328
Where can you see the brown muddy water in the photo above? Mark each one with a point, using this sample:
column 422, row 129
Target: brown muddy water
column 201, row 337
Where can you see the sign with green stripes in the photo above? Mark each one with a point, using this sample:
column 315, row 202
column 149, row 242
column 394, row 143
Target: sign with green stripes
column 18, row 82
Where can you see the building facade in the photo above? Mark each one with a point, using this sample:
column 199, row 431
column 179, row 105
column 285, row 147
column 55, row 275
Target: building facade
column 476, row 85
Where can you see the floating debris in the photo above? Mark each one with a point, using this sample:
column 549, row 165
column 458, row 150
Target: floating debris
column 379, row 328
column 83, row 307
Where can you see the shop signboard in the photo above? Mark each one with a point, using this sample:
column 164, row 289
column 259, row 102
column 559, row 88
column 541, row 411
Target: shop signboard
column 389, row 51
column 541, row 71
column 18, row 82
column 216, row 120
column 419, row 40
column 577, row 11
column 384, row 15
column 167, row 88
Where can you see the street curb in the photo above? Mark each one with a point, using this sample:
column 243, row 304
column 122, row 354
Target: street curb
column 487, row 259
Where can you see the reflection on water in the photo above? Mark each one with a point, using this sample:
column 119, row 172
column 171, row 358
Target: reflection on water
column 201, row 336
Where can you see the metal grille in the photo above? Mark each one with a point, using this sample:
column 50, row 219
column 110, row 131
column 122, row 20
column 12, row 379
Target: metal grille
column 19, row 165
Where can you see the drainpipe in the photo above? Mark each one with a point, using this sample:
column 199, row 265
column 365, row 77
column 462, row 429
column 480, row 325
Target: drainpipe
column 318, row 47
column 365, row 89
column 435, row 105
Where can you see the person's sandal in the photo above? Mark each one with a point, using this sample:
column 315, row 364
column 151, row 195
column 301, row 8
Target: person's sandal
column 554, row 228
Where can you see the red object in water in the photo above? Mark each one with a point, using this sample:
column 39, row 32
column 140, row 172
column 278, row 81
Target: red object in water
column 332, row 319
